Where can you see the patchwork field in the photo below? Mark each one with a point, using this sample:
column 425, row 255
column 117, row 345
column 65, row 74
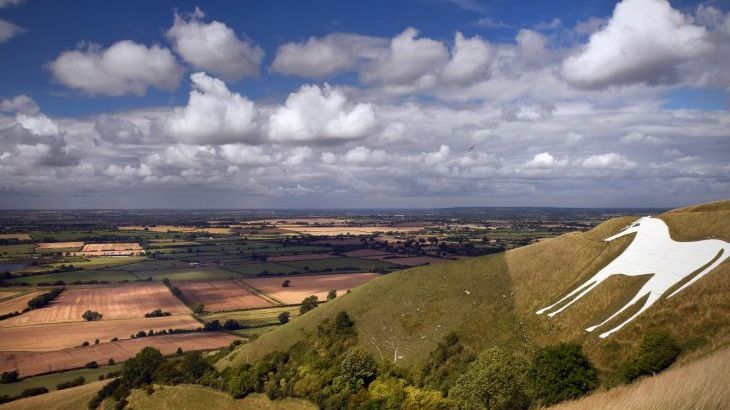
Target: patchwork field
column 253, row 269
column 302, row 286
column 345, row 230
column 304, row 257
column 16, row 304
column 255, row 317
column 186, row 274
column 17, row 236
column 415, row 260
column 110, row 249
column 57, row 336
column 365, row 253
column 118, row 302
column 343, row 264
column 76, row 276
column 68, row 399
column 59, row 245
column 171, row 228
column 218, row 296
column 32, row 363
column 50, row 381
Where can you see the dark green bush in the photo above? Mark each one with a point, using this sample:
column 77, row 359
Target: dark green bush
column 309, row 303
column 656, row 352
column 561, row 372
column 9, row 377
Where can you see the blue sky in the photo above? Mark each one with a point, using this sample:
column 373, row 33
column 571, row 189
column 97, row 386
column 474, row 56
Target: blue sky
column 556, row 96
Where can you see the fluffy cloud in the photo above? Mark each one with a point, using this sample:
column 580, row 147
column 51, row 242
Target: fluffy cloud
column 21, row 103
column 469, row 60
column 315, row 113
column 118, row 130
column 636, row 137
column 407, row 60
column 214, row 47
column 545, row 160
column 124, row 68
column 213, row 114
column 643, row 42
column 331, row 54
column 610, row 160
column 9, row 30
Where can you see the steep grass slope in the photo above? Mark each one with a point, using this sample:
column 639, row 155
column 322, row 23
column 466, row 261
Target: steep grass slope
column 699, row 385
column 491, row 301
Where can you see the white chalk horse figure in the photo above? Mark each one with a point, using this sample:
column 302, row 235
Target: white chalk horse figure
column 651, row 252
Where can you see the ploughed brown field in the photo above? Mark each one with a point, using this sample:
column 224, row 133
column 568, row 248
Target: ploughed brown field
column 15, row 304
column 57, row 336
column 302, row 286
column 118, row 302
column 32, row 363
column 221, row 295
column 304, row 257
column 60, row 245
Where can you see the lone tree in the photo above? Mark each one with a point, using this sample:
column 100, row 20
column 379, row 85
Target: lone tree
column 286, row 283
column 91, row 315
column 198, row 308
column 283, row 317
column 331, row 294
column 309, row 303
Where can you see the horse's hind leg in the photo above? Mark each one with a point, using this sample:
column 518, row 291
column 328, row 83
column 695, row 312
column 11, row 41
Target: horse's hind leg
column 642, row 292
column 704, row 271
column 653, row 297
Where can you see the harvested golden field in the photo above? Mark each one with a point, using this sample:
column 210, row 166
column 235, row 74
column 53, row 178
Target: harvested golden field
column 59, row 245
column 701, row 384
column 110, row 249
column 303, row 257
column 172, row 228
column 222, row 295
column 17, row 236
column 68, row 399
column 57, row 336
column 32, row 363
column 16, row 304
column 195, row 397
column 7, row 293
column 302, row 286
column 345, row 230
column 117, row 302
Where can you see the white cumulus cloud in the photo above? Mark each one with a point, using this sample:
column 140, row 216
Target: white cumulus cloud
column 124, row 68
column 214, row 47
column 315, row 113
column 643, row 42
column 470, row 58
column 610, row 160
column 545, row 160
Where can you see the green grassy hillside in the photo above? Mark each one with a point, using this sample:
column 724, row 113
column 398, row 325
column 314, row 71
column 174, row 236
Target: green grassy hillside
column 194, row 397
column 490, row 301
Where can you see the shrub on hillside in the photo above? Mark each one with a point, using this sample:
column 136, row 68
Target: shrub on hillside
column 92, row 365
column 283, row 317
column 71, row 383
column 91, row 315
column 309, row 303
column 445, row 364
column 331, row 294
column 9, row 377
column 656, row 352
column 198, row 308
column 343, row 323
column 561, row 372
column 496, row 380
column 358, row 368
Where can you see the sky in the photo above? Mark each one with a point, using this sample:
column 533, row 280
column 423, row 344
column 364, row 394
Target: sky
column 377, row 104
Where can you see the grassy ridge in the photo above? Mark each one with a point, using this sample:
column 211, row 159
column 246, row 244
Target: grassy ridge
column 491, row 300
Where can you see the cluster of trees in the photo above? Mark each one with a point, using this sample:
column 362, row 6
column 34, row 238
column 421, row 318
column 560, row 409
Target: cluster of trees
column 71, row 383
column 29, row 392
column 91, row 316
column 157, row 313
column 9, row 377
column 230, row 324
column 309, row 303
column 44, row 298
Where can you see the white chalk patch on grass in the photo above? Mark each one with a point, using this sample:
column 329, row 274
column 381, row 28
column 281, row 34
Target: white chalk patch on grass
column 652, row 252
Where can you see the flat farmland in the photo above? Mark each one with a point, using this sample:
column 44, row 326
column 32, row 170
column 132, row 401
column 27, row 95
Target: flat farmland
column 118, row 302
column 11, row 250
column 340, row 264
column 32, row 363
column 255, row 317
column 16, row 304
column 57, row 336
column 302, row 257
column 346, row 230
column 364, row 253
column 102, row 262
column 60, row 245
column 222, row 295
column 186, row 274
column 171, row 228
column 253, row 269
column 415, row 260
column 16, row 236
column 6, row 294
column 152, row 265
column 76, row 276
column 302, row 286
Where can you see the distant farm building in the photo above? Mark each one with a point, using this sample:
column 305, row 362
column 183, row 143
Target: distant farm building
column 110, row 249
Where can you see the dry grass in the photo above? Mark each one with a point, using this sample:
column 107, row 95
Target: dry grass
column 17, row 236
column 219, row 296
column 74, row 398
column 698, row 225
column 302, row 286
column 16, row 304
column 60, row 245
column 33, row 363
column 118, row 302
column 57, row 336
column 698, row 385
column 194, row 397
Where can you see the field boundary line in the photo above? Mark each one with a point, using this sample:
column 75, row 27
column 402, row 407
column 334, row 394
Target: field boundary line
column 261, row 293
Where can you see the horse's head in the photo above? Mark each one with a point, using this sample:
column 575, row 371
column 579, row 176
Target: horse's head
column 633, row 227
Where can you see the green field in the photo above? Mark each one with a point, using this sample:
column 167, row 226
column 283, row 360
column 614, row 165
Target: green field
column 14, row 250
column 80, row 275
column 255, row 317
column 187, row 274
column 101, row 262
column 149, row 265
column 50, row 381
column 266, row 268
column 340, row 264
